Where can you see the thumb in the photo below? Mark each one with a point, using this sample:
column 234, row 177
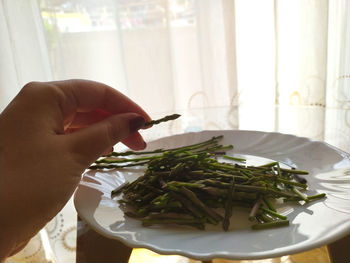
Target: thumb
column 91, row 142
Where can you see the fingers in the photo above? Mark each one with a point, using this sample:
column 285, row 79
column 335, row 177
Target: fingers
column 83, row 119
column 109, row 151
column 99, row 115
column 89, row 95
column 133, row 140
column 89, row 143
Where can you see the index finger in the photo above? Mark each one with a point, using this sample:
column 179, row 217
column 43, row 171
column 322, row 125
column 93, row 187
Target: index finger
column 85, row 95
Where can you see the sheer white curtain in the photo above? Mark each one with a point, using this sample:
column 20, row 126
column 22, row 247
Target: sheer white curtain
column 259, row 62
column 23, row 52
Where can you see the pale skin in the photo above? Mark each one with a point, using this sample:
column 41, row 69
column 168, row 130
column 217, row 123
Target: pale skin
column 49, row 134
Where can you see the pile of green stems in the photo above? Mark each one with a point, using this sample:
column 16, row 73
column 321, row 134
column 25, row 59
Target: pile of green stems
column 189, row 186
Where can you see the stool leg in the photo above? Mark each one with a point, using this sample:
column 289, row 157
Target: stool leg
column 339, row 251
column 94, row 248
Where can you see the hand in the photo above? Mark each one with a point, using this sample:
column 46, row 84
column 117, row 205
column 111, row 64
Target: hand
column 50, row 133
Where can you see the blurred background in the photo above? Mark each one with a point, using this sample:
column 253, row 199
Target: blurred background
column 257, row 61
column 268, row 65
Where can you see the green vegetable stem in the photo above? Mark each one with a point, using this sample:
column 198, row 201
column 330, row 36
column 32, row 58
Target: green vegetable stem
column 191, row 186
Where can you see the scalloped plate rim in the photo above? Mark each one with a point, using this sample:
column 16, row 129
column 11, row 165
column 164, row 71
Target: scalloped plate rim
column 301, row 247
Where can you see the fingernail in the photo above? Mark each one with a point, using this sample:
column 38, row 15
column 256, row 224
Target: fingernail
column 136, row 123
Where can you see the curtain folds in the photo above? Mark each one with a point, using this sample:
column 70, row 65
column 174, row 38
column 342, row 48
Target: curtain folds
column 266, row 65
column 23, row 52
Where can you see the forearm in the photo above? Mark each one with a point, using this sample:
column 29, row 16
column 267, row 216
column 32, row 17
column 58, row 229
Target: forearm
column 5, row 248
column 8, row 246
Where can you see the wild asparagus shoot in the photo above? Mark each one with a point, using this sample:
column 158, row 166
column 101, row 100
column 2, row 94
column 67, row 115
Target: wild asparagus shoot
column 188, row 185
column 164, row 119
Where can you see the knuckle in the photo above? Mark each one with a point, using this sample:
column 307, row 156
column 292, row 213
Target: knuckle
column 42, row 90
column 29, row 86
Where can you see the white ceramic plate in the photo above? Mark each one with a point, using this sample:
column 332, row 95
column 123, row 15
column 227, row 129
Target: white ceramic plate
column 311, row 226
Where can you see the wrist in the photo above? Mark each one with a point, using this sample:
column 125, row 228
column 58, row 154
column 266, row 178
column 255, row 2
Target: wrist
column 9, row 247
column 6, row 247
